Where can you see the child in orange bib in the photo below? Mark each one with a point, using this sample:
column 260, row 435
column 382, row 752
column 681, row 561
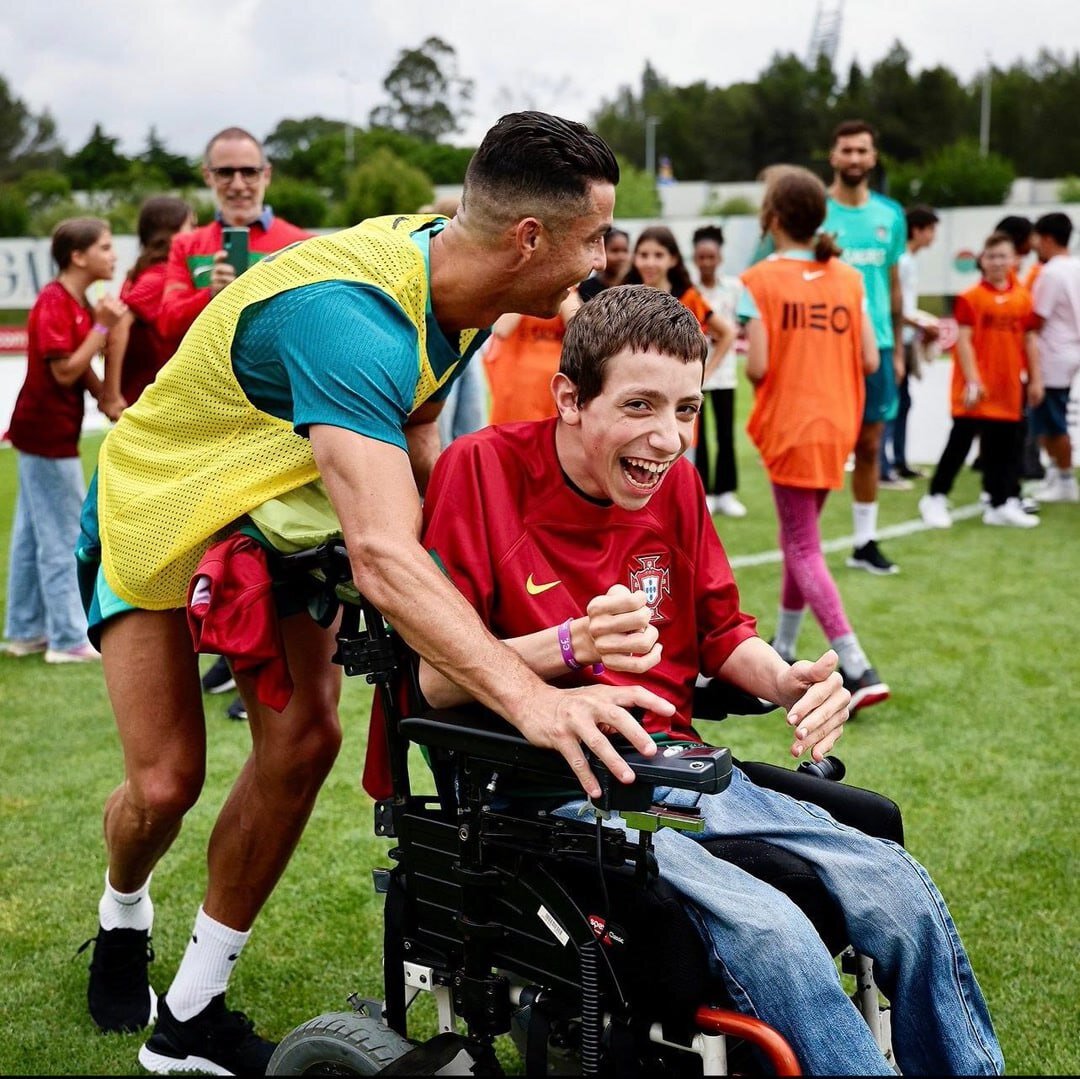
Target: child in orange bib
column 810, row 347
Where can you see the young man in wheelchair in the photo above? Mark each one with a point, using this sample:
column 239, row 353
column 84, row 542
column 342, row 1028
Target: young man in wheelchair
column 584, row 543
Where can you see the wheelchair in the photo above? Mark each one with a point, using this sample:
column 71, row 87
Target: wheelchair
column 559, row 932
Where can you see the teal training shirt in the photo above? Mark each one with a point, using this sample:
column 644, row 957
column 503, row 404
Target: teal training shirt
column 340, row 353
column 872, row 238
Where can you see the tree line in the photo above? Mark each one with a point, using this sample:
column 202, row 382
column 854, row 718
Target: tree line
column 328, row 173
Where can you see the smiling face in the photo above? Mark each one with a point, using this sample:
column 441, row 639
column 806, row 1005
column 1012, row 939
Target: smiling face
column 618, row 258
column 653, row 261
column 238, row 175
column 563, row 253
column 620, row 445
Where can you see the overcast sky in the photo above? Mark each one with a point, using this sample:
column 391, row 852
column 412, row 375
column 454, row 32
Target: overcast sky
column 191, row 67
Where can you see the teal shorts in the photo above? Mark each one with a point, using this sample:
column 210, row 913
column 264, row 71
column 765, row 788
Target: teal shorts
column 101, row 603
column 882, row 393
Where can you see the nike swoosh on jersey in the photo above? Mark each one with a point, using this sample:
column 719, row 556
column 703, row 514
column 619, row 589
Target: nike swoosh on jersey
column 809, row 275
column 535, row 589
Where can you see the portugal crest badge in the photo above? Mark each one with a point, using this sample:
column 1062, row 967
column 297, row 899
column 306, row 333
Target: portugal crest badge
column 650, row 577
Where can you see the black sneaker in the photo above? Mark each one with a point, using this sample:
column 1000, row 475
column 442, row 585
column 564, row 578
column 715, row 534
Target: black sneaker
column 219, row 679
column 119, row 992
column 870, row 558
column 237, row 710
column 865, row 690
column 215, row 1042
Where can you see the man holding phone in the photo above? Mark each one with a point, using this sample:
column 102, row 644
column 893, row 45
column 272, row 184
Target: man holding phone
column 203, row 262
column 238, row 174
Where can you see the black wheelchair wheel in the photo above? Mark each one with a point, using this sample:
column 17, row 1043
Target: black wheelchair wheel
column 338, row 1043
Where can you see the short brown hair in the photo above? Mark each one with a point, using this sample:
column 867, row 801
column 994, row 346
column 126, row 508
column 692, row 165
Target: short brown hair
column 75, row 234
column 847, row 128
column 636, row 317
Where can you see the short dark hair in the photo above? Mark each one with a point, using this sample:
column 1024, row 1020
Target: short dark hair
column 847, row 128
column 530, row 161
column 998, row 237
column 1057, row 226
column 233, row 133
column 1017, row 227
column 627, row 316
column 709, row 232
column 612, row 233
column 75, row 234
column 920, row 217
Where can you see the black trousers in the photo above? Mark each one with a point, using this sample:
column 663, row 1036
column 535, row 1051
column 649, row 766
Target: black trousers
column 719, row 415
column 1001, row 444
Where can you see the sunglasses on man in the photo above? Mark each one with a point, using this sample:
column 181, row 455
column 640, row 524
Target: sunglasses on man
column 225, row 173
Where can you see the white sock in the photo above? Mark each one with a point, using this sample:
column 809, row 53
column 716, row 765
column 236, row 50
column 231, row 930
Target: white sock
column 204, row 971
column 853, row 659
column 786, row 641
column 126, row 910
column 864, row 515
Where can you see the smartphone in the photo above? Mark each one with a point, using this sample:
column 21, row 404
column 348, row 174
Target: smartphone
column 235, row 242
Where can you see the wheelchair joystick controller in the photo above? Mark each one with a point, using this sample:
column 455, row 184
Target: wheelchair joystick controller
column 827, row 768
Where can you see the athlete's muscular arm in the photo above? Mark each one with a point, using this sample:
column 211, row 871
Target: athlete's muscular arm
column 422, row 438
column 615, row 630
column 812, row 693
column 370, row 484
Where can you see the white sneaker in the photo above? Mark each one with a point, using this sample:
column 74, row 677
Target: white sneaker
column 81, row 653
column 1058, row 488
column 26, row 646
column 1010, row 514
column 984, row 498
column 934, row 510
column 729, row 505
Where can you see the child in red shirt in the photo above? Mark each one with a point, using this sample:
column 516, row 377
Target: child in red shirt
column 44, row 612
column 995, row 347
column 137, row 350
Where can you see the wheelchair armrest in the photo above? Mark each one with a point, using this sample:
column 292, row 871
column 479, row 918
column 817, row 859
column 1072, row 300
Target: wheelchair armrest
column 868, row 811
column 716, row 699
column 484, row 735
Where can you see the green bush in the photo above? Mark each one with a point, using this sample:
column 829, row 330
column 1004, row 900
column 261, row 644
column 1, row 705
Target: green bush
column 384, row 184
column 1069, row 189
column 737, row 206
column 298, row 201
column 636, row 195
column 959, row 175
column 14, row 213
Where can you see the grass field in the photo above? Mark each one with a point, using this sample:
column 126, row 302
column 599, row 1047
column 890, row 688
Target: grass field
column 977, row 637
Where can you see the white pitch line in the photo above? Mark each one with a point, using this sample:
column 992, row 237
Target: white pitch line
column 905, row 528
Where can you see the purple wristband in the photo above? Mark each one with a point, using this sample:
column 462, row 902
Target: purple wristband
column 566, row 646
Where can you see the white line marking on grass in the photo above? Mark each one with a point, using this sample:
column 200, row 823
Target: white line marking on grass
column 905, row 528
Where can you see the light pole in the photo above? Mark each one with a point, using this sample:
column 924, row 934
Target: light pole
column 650, row 144
column 984, row 118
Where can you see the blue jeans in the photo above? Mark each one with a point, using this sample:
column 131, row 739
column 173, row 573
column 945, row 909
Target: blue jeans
column 43, row 592
column 774, row 965
column 465, row 408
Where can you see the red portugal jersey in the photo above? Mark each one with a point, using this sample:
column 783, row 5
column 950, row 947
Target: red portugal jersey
column 48, row 417
column 528, row 550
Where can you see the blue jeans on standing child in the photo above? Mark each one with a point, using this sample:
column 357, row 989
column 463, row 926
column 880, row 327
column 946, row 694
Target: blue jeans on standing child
column 43, row 592
column 774, row 964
